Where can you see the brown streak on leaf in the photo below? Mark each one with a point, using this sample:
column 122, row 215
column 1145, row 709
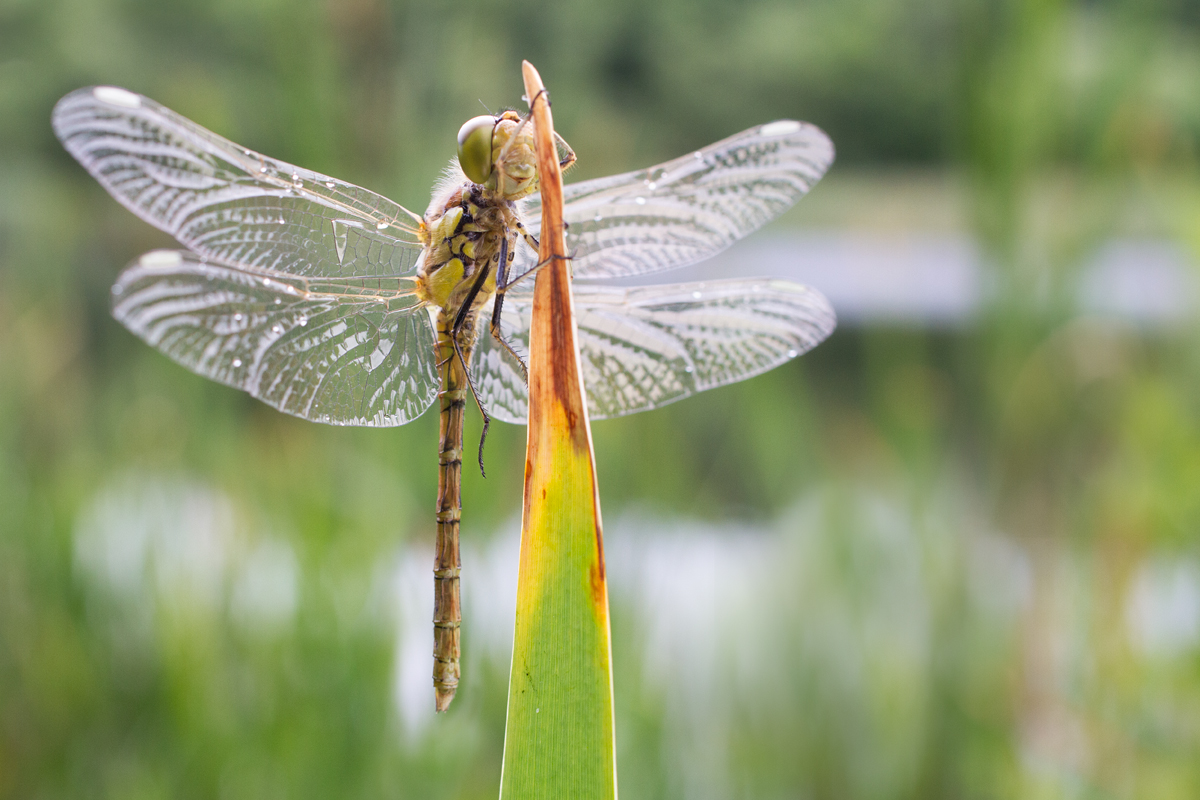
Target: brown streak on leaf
column 596, row 574
column 554, row 330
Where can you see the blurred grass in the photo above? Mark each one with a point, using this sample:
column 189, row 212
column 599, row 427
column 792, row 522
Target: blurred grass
column 961, row 520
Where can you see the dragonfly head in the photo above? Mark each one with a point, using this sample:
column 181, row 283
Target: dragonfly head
column 498, row 153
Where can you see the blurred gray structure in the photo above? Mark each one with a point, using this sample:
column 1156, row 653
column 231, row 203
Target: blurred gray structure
column 941, row 280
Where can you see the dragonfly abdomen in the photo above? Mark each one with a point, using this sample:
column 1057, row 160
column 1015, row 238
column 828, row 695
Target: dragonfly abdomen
column 452, row 400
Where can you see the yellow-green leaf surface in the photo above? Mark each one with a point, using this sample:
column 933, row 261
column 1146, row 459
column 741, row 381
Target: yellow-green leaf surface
column 559, row 736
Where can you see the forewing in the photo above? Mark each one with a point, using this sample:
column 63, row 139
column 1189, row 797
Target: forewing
column 688, row 209
column 342, row 352
column 229, row 203
column 645, row 347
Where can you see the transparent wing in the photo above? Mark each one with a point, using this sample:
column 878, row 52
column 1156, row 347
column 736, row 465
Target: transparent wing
column 688, row 209
column 498, row 377
column 342, row 352
column 229, row 203
column 644, row 347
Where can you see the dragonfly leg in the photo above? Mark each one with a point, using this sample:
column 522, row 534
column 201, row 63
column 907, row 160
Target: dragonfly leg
column 456, row 330
column 524, row 121
column 566, row 154
column 529, row 238
column 487, row 420
column 533, row 271
column 568, row 160
column 502, row 284
column 520, row 127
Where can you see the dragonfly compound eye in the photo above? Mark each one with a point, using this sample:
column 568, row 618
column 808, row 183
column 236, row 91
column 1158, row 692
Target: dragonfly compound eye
column 475, row 147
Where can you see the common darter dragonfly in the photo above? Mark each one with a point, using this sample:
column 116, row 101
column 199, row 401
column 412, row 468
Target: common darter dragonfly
column 332, row 303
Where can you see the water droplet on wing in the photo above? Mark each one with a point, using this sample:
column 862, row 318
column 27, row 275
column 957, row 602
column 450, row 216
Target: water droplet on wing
column 237, row 362
column 162, row 259
column 779, row 128
column 116, row 96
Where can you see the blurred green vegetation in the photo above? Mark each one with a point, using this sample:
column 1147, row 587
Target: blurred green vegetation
column 966, row 532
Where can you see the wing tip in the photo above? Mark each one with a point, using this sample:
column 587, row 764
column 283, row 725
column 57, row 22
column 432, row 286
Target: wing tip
column 823, row 318
column 112, row 96
column 810, row 134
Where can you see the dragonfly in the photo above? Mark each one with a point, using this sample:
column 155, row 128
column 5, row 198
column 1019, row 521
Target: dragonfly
column 330, row 302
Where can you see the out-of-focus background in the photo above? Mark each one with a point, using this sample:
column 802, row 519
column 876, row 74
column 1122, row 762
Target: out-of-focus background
column 952, row 553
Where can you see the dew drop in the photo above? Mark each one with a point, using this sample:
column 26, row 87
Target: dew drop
column 237, row 362
column 779, row 128
column 597, row 218
column 116, row 96
column 277, row 328
column 689, row 368
column 277, row 301
column 237, row 317
column 330, row 184
column 698, row 155
column 695, row 295
column 536, row 710
column 161, row 259
column 381, row 226
column 266, row 281
column 641, row 201
column 296, row 181
column 302, row 321
column 263, row 168
column 793, row 353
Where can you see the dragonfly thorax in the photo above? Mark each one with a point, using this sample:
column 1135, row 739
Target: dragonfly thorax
column 470, row 230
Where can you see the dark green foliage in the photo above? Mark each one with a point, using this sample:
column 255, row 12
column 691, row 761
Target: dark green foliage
column 890, row 474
